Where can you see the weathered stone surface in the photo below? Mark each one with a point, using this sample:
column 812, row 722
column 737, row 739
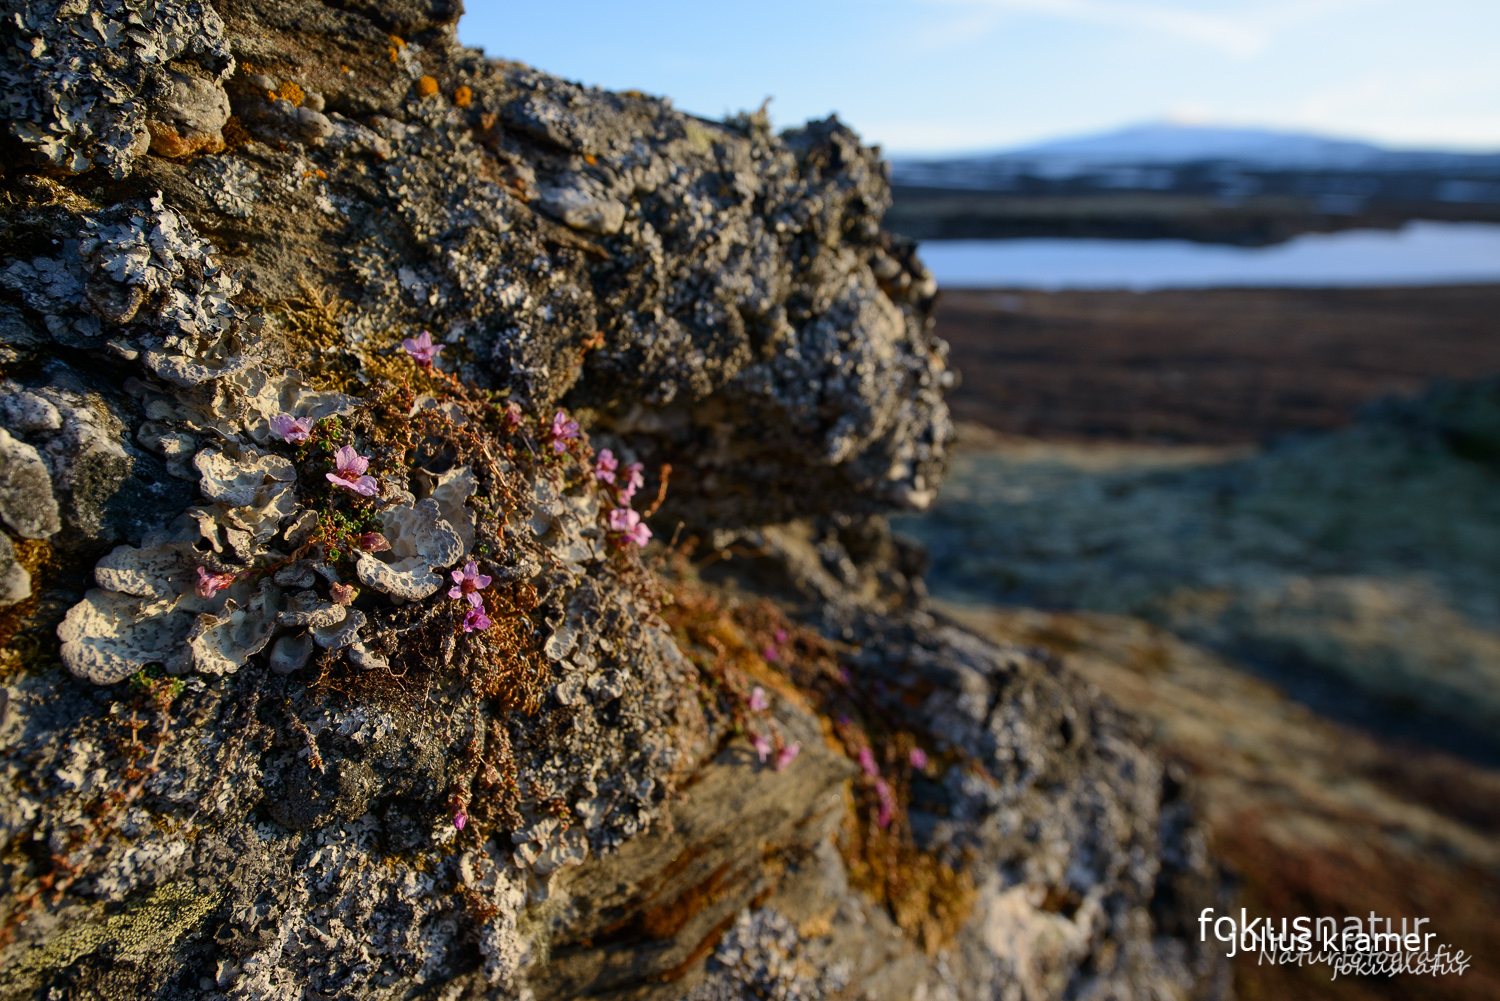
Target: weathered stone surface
column 26, row 501
column 374, row 776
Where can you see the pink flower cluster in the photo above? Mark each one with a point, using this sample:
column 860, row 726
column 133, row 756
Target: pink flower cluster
column 784, row 757
column 349, row 472
column 629, row 524
column 622, row 519
column 562, row 430
column 772, row 652
column 467, row 583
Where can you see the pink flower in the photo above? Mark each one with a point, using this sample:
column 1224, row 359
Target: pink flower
column 918, row 758
column 605, row 466
column 210, row 583
column 887, row 803
column 762, row 745
column 422, row 349
column 867, row 762
column 562, row 430
column 467, row 583
column 460, row 819
column 349, row 472
column 781, row 636
column 512, row 415
column 476, row 621
column 770, row 654
column 787, row 755
column 634, row 480
column 343, row 594
column 628, row 523
column 374, row 542
column 758, row 701
column 293, row 429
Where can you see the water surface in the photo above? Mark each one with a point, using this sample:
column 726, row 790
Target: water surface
column 1421, row 253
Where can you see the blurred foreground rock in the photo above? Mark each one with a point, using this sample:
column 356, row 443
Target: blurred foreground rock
column 341, row 368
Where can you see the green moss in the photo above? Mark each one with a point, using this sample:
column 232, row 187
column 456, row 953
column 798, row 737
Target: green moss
column 155, row 924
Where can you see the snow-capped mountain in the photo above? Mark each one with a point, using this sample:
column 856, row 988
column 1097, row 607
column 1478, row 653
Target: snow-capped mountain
column 1166, row 145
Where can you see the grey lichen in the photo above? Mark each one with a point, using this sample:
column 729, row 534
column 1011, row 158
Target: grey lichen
column 162, row 64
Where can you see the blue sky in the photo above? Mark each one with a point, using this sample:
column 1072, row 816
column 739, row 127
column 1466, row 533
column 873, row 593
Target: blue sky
column 940, row 75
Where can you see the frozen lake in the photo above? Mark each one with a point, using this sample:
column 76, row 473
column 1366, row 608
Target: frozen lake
column 1422, row 253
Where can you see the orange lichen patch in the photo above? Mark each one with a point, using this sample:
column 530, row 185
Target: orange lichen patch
column 426, row 86
column 463, row 97
column 393, row 52
column 738, row 645
column 666, row 920
column 590, row 159
column 167, row 141
column 289, row 91
column 234, row 132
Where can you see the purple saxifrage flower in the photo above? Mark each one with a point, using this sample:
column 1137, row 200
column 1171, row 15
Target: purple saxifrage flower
column 562, row 430
column 292, row 429
column 787, row 755
column 635, row 478
column 605, row 465
column 422, row 349
column 762, row 745
column 629, row 524
column 758, row 701
column 349, row 472
column 467, row 583
column 770, row 654
column 867, row 762
column 460, row 819
column 918, row 758
column 887, row 802
column 476, row 621
column 781, row 636
column 512, row 415
column 374, row 542
column 210, row 583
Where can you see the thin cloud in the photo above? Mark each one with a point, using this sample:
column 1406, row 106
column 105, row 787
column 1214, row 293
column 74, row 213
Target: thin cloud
column 1243, row 35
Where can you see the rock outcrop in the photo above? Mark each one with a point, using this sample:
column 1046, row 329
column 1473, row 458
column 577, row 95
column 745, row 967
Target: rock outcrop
column 347, row 374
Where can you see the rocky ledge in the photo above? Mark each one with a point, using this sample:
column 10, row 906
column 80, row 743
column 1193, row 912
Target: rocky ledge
column 347, row 375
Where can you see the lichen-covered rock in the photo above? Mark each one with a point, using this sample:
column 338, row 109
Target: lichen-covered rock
column 421, row 541
column 376, row 696
column 15, row 580
column 26, row 501
column 59, row 104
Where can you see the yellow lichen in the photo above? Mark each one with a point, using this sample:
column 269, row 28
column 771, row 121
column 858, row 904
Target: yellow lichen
column 289, row 91
column 426, row 87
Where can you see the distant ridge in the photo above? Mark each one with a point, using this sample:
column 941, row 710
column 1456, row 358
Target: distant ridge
column 1188, row 182
column 1170, row 144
